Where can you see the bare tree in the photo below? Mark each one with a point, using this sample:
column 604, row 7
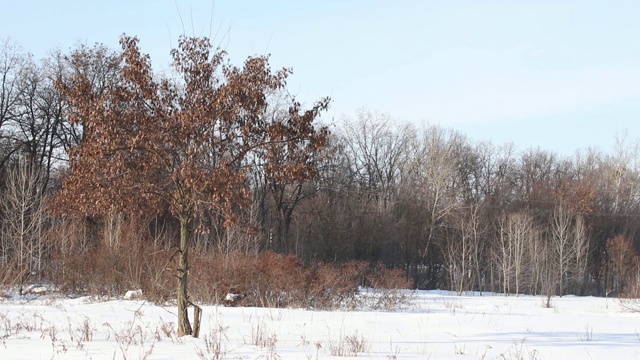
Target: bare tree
column 12, row 72
column 433, row 178
column 541, row 275
column 376, row 148
column 569, row 245
column 24, row 217
column 624, row 175
column 463, row 250
column 39, row 120
column 516, row 233
column 580, row 245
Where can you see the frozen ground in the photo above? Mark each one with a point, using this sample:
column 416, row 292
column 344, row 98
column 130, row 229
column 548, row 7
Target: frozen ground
column 437, row 325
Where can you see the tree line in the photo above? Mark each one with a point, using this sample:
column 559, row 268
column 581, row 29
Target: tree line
column 449, row 212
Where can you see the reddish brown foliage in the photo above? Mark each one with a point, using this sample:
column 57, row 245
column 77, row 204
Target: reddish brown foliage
column 184, row 141
column 577, row 195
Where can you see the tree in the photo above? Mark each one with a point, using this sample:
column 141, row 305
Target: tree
column 516, row 233
column 433, row 172
column 623, row 266
column 285, row 180
column 183, row 140
column 98, row 64
column 24, row 219
column 12, row 73
column 568, row 239
column 463, row 249
column 376, row 148
column 38, row 122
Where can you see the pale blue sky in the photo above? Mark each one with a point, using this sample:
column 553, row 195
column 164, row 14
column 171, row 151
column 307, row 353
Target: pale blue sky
column 559, row 75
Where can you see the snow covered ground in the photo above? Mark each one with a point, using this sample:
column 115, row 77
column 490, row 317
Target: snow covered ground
column 437, row 325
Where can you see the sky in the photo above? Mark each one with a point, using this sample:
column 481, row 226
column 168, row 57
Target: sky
column 561, row 76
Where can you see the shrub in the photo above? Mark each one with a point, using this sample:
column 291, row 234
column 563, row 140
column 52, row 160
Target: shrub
column 276, row 280
column 117, row 260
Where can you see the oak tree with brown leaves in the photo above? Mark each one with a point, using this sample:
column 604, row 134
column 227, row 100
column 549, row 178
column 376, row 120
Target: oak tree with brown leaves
column 188, row 140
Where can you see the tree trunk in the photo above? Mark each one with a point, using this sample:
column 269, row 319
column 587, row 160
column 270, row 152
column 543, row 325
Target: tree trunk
column 184, row 326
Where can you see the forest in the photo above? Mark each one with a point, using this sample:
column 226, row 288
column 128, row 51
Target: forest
column 110, row 171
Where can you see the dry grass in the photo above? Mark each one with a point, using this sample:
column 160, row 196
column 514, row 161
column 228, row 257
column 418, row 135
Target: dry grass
column 216, row 342
column 348, row 345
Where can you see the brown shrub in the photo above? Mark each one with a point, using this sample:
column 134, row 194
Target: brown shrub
column 109, row 258
column 333, row 286
column 276, row 280
column 268, row 279
column 380, row 277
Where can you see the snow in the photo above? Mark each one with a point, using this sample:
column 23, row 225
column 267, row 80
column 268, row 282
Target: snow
column 133, row 294
column 35, row 289
column 435, row 325
column 232, row 297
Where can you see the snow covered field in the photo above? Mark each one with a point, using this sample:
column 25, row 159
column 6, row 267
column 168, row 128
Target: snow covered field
column 437, row 325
